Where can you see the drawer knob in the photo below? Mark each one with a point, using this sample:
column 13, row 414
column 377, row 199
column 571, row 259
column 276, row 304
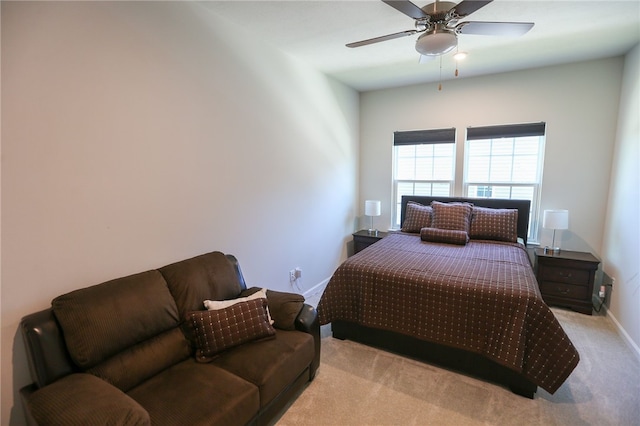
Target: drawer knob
column 563, row 290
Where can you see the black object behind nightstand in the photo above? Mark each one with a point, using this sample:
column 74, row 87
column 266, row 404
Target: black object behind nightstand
column 566, row 278
column 363, row 239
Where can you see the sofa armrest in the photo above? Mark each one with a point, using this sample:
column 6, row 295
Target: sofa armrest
column 47, row 353
column 82, row 399
column 308, row 322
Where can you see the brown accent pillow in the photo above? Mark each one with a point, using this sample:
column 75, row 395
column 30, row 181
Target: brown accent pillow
column 218, row 330
column 417, row 216
column 449, row 236
column 284, row 307
column 494, row 224
column 454, row 216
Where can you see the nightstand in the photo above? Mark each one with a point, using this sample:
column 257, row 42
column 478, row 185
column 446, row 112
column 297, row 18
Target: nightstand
column 566, row 278
column 362, row 239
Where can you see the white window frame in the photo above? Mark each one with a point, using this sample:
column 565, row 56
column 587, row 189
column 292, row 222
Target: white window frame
column 492, row 134
column 416, row 138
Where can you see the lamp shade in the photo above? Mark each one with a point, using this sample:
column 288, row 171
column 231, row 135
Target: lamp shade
column 555, row 219
column 372, row 208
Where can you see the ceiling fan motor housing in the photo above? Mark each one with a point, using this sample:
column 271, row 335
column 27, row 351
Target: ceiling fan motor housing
column 439, row 10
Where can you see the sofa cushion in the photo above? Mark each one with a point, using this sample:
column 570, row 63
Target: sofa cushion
column 208, row 276
column 218, row 330
column 272, row 364
column 142, row 361
column 100, row 321
column 78, row 397
column 190, row 393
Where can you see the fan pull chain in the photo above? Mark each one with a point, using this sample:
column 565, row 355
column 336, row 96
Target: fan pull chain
column 458, row 57
column 440, row 82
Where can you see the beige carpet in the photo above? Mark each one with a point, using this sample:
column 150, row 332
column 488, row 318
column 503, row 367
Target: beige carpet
column 360, row 385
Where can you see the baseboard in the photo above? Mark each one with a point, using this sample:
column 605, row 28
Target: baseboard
column 318, row 288
column 634, row 347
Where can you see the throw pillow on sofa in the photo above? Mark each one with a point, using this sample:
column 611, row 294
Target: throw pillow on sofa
column 221, row 304
column 284, row 307
column 221, row 329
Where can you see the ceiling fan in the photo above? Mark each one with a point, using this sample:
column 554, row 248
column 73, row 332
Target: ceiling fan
column 439, row 23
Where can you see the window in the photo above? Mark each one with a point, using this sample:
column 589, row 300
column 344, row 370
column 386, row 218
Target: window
column 499, row 162
column 506, row 162
column 423, row 164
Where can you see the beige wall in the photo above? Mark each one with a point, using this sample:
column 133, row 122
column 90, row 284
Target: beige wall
column 621, row 248
column 137, row 134
column 579, row 103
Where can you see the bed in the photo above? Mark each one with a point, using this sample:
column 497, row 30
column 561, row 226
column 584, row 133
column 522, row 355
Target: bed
column 470, row 305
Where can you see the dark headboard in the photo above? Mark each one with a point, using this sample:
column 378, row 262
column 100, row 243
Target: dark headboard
column 522, row 206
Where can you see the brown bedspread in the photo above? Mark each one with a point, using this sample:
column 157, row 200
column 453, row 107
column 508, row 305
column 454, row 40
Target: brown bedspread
column 482, row 297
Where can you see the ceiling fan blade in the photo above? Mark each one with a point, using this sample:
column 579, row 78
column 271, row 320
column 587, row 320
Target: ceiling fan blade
column 408, row 8
column 512, row 29
column 382, row 38
column 467, row 7
column 426, row 58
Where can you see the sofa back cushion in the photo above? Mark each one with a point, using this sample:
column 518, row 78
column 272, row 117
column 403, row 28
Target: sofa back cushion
column 124, row 330
column 209, row 276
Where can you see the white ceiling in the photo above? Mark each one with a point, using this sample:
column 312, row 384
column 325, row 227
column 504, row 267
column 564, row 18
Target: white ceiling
column 317, row 31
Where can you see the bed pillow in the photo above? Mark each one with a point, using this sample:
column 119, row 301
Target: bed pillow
column 217, row 330
column 453, row 216
column 449, row 236
column 494, row 224
column 221, row 304
column 417, row 216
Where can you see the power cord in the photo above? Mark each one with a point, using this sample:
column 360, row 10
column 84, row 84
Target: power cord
column 603, row 300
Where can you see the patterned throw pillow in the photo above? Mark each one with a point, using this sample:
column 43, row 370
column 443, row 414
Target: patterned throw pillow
column 416, row 217
column 213, row 305
column 218, row 330
column 494, row 224
column 454, row 216
column 449, row 236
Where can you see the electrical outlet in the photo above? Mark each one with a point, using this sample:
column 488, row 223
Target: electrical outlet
column 602, row 292
column 292, row 275
column 613, row 281
column 298, row 273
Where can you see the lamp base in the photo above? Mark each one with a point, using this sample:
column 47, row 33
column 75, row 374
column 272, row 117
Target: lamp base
column 551, row 250
column 372, row 232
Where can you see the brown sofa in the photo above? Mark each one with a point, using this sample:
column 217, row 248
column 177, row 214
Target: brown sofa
column 142, row 349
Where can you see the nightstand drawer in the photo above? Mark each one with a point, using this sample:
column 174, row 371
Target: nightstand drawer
column 569, row 291
column 565, row 275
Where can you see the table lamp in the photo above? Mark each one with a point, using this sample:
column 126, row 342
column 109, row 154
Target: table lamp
column 372, row 208
column 555, row 219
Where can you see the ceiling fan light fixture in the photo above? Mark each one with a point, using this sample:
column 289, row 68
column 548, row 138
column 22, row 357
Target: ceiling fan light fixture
column 460, row 56
column 438, row 41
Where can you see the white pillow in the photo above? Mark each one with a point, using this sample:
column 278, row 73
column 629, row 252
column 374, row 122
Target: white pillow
column 213, row 305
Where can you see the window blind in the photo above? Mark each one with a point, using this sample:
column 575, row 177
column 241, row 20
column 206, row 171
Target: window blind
column 506, row 131
column 417, row 137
